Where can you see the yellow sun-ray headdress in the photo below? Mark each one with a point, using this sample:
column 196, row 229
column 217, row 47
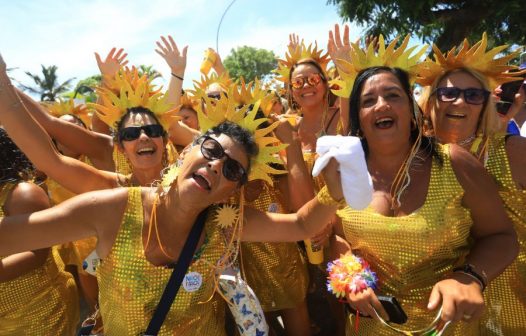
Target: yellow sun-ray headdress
column 402, row 57
column 249, row 94
column 134, row 91
column 224, row 81
column 63, row 107
column 294, row 54
column 228, row 109
column 475, row 58
column 188, row 101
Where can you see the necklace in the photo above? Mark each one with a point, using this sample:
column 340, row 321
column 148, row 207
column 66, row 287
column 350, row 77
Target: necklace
column 466, row 141
column 153, row 223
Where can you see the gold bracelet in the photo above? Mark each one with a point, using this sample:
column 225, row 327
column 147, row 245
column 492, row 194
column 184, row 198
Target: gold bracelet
column 325, row 198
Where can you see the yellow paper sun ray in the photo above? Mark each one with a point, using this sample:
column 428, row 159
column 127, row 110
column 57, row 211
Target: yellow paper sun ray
column 405, row 58
column 495, row 69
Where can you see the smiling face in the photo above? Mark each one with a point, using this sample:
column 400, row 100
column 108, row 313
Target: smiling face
column 385, row 111
column 203, row 180
column 309, row 94
column 456, row 120
column 144, row 152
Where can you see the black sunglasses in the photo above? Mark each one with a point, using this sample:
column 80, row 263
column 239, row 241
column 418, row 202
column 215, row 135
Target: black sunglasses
column 232, row 169
column 472, row 96
column 134, row 132
column 312, row 79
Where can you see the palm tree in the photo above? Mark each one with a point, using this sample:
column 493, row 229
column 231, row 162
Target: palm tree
column 149, row 71
column 47, row 87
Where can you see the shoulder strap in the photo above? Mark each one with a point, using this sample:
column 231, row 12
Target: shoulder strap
column 172, row 287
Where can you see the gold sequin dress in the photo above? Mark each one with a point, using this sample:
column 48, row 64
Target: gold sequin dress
column 410, row 254
column 275, row 271
column 506, row 295
column 43, row 301
column 131, row 287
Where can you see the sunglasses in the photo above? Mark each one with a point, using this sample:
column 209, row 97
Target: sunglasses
column 134, row 132
column 472, row 96
column 232, row 169
column 312, row 80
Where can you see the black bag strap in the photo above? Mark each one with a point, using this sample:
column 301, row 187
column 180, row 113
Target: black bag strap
column 172, row 287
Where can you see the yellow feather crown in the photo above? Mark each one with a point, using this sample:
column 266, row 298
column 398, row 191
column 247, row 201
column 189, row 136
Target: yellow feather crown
column 228, row 109
column 475, row 58
column 390, row 56
column 64, row 107
column 188, row 101
column 224, row 81
column 133, row 91
column 294, row 54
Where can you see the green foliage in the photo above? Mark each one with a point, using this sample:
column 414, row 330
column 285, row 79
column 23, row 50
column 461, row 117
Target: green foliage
column 47, row 87
column 250, row 62
column 149, row 71
column 85, row 89
column 445, row 23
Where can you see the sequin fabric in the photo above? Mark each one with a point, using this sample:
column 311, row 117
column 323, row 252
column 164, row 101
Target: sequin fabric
column 410, row 254
column 122, row 166
column 506, row 295
column 310, row 158
column 276, row 272
column 131, row 287
column 43, row 301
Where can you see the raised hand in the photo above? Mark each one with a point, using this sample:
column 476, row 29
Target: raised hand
column 175, row 59
column 337, row 47
column 294, row 41
column 112, row 63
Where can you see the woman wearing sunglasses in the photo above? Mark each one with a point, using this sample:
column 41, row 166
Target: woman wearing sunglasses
column 37, row 296
column 304, row 73
column 462, row 111
column 141, row 231
column 435, row 225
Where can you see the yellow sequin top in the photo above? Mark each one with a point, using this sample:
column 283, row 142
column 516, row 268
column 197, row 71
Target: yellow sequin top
column 276, row 272
column 309, row 158
column 410, row 254
column 131, row 287
column 43, row 301
column 506, row 295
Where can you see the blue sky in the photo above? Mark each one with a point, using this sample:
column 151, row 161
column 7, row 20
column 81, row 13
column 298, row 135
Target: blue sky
column 67, row 33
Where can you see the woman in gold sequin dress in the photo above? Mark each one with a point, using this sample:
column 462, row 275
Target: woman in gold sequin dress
column 277, row 272
column 37, row 297
column 133, row 273
column 306, row 80
column 471, row 123
column 433, row 208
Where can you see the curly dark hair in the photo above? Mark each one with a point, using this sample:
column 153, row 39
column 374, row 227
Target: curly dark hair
column 14, row 165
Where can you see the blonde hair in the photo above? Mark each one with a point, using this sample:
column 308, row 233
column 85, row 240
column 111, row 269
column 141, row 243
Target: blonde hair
column 488, row 123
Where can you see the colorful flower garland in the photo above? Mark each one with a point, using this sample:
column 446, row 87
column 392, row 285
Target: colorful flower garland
column 349, row 274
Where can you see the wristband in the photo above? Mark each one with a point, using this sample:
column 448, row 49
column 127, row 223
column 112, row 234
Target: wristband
column 469, row 270
column 177, row 76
